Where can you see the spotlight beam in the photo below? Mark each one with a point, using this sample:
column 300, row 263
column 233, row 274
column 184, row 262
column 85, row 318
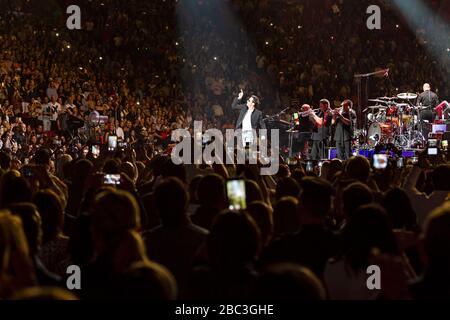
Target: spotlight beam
column 418, row 16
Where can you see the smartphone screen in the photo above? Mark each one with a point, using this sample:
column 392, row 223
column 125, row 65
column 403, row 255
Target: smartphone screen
column 444, row 145
column 309, row 166
column 415, row 160
column 236, row 194
column 111, row 179
column 400, row 163
column 296, row 118
column 112, row 143
column 380, row 161
column 95, row 150
column 432, row 151
column 432, row 143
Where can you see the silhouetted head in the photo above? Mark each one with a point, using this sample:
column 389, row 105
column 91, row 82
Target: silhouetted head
column 262, row 214
column 369, row 228
column 354, row 196
column 315, row 196
column 399, row 209
column 171, row 200
column 234, row 241
column 436, row 240
column 14, row 188
column 358, row 168
column 441, row 177
column 52, row 214
column 285, row 216
column 211, row 191
column 287, row 187
column 114, row 212
column 288, row 281
column 31, row 221
column 5, row 160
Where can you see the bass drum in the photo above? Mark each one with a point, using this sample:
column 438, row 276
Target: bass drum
column 379, row 132
column 359, row 138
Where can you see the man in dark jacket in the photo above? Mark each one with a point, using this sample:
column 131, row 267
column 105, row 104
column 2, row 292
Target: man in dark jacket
column 249, row 117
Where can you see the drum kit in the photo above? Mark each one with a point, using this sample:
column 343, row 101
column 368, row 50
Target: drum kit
column 393, row 120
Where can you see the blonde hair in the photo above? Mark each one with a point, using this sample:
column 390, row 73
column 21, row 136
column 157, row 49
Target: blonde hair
column 16, row 268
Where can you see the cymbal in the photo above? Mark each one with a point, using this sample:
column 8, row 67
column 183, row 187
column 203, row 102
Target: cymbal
column 377, row 100
column 377, row 107
column 387, row 98
column 407, row 96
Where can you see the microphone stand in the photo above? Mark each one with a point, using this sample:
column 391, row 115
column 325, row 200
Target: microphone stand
column 276, row 115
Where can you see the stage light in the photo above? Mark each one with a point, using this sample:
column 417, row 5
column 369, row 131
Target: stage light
column 68, row 46
column 57, row 34
column 299, row 27
column 267, row 43
column 397, row 26
column 100, row 58
column 215, row 58
column 176, row 43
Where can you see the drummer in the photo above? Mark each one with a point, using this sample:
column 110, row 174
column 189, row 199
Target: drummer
column 427, row 100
